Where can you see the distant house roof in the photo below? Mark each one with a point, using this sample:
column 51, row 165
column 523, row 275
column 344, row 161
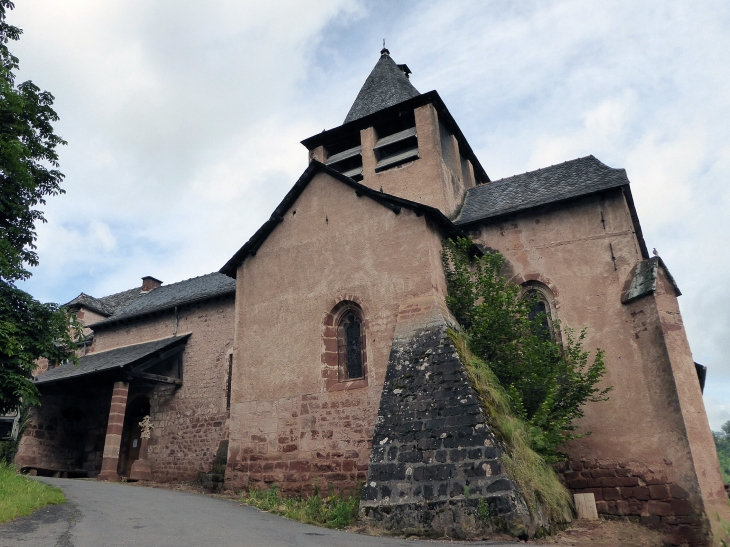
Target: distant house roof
column 107, row 361
column 106, row 305
column 166, row 297
column 393, row 203
column 387, row 85
column 567, row 180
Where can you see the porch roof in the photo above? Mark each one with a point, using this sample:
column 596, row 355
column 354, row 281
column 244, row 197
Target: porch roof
column 113, row 359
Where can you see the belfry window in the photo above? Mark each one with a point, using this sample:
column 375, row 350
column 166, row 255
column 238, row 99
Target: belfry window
column 397, row 142
column 350, row 346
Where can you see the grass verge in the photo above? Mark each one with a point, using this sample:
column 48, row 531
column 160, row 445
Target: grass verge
column 333, row 511
column 20, row 496
column 538, row 482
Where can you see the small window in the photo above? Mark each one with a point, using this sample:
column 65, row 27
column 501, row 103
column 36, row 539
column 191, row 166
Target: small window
column 350, row 346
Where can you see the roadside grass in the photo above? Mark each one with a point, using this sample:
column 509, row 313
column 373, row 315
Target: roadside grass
column 21, row 496
column 538, row 482
column 333, row 511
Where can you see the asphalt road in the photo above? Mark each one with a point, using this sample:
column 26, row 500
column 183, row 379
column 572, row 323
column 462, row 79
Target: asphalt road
column 101, row 514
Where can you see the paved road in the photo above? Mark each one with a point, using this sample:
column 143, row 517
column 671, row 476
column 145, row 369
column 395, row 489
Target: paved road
column 103, row 514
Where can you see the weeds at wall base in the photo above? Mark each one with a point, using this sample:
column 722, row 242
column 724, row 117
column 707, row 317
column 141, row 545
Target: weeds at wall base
column 333, row 511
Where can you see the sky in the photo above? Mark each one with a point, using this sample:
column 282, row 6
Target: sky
column 183, row 121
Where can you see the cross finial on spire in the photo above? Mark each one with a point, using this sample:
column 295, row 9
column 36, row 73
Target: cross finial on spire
column 384, row 51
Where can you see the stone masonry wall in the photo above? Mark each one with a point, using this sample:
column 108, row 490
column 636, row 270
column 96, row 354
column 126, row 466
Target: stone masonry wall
column 295, row 442
column 631, row 490
column 434, row 459
column 67, row 432
column 189, row 421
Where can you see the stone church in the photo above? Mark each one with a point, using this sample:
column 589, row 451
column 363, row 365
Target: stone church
column 318, row 353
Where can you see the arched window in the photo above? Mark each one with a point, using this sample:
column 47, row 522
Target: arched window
column 540, row 309
column 350, row 345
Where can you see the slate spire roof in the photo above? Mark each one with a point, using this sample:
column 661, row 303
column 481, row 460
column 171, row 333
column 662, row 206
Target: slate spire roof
column 388, row 84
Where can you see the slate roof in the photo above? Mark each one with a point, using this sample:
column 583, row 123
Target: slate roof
column 567, row 180
column 118, row 358
column 106, row 305
column 386, row 86
column 121, row 299
column 176, row 294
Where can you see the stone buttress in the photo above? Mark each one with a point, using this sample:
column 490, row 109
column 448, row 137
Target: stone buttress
column 435, row 468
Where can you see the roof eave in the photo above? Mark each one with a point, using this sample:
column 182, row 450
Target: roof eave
column 514, row 211
column 111, row 321
column 182, row 339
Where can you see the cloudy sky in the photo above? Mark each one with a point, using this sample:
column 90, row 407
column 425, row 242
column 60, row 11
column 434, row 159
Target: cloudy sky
column 184, row 120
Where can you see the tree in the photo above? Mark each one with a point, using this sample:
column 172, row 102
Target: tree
column 548, row 382
column 722, row 442
column 29, row 330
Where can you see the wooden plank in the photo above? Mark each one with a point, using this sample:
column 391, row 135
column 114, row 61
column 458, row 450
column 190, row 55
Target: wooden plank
column 395, row 137
column 158, row 378
column 585, row 506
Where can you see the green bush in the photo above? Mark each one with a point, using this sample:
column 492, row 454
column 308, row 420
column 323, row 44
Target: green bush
column 548, row 382
column 20, row 496
column 333, row 511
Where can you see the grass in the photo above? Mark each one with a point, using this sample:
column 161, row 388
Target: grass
column 538, row 482
column 333, row 511
column 20, row 496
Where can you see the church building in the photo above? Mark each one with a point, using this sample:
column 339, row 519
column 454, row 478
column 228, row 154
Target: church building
column 332, row 365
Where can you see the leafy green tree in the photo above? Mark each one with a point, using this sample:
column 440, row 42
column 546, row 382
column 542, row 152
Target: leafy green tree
column 29, row 330
column 548, row 382
column 722, row 442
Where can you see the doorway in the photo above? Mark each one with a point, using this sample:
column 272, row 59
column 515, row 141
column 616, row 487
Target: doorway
column 137, row 409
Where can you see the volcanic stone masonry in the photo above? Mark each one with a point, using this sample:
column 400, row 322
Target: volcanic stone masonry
column 434, row 460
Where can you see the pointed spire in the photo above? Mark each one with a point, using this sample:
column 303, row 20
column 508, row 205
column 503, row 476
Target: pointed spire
column 388, row 84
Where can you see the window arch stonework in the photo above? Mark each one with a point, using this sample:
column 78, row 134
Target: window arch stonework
column 344, row 358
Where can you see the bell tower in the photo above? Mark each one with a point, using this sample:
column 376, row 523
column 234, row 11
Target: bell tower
column 402, row 142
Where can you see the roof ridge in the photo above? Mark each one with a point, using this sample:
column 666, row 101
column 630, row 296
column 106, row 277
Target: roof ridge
column 553, row 166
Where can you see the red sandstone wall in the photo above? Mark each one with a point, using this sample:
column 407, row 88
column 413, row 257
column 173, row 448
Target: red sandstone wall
column 639, row 460
column 286, row 427
column 189, row 421
column 67, row 433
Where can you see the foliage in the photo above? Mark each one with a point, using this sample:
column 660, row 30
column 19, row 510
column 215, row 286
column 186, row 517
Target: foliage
column 722, row 442
column 538, row 482
column 20, row 496
column 333, row 511
column 548, row 382
column 29, row 330
column 28, row 160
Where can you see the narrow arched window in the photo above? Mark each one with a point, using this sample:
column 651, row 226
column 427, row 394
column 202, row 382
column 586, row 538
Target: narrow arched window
column 350, row 346
column 539, row 314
